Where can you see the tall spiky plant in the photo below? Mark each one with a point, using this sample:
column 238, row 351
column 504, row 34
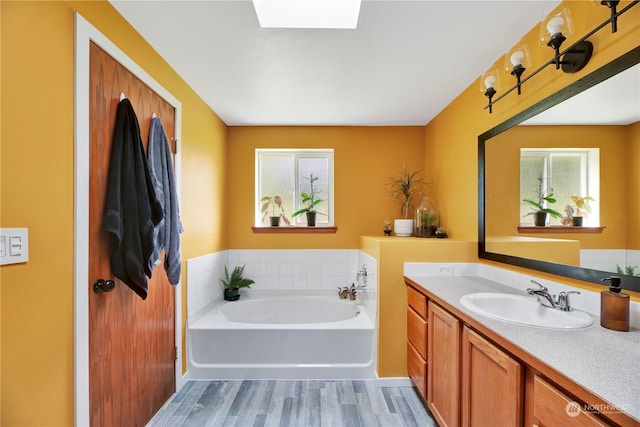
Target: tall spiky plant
column 405, row 187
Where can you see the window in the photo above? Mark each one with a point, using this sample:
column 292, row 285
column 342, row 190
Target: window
column 564, row 172
column 286, row 173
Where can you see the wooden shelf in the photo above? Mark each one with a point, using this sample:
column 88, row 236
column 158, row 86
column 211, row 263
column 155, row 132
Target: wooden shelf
column 560, row 229
column 290, row 230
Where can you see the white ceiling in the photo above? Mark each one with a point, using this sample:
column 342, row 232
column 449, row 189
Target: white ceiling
column 405, row 62
column 615, row 101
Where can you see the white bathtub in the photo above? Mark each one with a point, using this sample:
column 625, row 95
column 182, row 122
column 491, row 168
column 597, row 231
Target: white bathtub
column 282, row 338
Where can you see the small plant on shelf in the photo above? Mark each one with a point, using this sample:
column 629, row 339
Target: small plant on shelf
column 405, row 187
column 582, row 204
column 273, row 205
column 233, row 282
column 541, row 203
column 311, row 200
column 582, row 207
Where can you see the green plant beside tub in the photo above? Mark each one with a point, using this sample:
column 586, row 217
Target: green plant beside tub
column 233, row 282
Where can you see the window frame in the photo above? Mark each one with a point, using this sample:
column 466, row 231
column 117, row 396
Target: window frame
column 296, row 154
column 590, row 174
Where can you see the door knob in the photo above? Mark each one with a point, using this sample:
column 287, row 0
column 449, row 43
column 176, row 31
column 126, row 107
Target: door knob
column 102, row 285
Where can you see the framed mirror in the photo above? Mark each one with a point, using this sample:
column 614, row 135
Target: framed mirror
column 565, row 251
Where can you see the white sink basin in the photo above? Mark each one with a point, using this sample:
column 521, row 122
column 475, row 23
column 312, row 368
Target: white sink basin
column 524, row 310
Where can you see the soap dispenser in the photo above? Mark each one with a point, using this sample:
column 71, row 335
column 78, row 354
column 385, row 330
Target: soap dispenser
column 614, row 306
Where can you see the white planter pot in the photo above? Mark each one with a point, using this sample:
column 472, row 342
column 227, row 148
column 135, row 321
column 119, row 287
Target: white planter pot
column 403, row 227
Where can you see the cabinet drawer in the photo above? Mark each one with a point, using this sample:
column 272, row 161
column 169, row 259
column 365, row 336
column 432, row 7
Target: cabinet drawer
column 417, row 301
column 551, row 407
column 417, row 369
column 417, row 332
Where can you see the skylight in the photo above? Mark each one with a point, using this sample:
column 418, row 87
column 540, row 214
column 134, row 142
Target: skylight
column 307, row 13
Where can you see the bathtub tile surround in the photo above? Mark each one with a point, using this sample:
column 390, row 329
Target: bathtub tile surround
column 609, row 259
column 203, row 280
column 588, row 301
column 277, row 269
column 306, row 403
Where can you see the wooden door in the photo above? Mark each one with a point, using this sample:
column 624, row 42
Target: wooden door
column 443, row 366
column 492, row 384
column 131, row 341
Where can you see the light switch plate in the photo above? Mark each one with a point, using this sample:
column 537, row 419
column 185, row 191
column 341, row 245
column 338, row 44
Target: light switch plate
column 14, row 245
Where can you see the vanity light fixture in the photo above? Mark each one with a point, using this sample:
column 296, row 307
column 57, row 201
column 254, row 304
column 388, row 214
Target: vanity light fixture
column 554, row 31
column 614, row 14
column 489, row 86
column 517, row 60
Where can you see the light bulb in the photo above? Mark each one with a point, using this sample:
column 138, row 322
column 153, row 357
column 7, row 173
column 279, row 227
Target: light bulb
column 554, row 26
column 517, row 57
column 490, row 81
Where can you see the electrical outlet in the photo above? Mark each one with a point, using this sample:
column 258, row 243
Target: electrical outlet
column 444, row 270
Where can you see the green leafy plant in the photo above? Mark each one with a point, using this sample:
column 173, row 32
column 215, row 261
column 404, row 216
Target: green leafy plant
column 311, row 198
column 405, row 187
column 275, row 203
column 235, row 280
column 542, row 201
column 582, row 204
column 628, row 270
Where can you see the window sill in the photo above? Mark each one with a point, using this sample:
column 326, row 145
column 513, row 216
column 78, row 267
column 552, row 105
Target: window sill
column 560, row 229
column 293, row 229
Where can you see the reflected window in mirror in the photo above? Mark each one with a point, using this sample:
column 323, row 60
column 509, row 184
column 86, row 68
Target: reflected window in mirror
column 561, row 172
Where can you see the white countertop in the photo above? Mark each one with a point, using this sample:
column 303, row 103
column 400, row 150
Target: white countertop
column 603, row 361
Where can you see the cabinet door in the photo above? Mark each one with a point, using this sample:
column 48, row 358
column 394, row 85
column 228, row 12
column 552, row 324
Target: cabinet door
column 443, row 366
column 492, row 384
column 551, row 408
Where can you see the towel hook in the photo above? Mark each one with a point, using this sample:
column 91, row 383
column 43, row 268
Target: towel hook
column 122, row 96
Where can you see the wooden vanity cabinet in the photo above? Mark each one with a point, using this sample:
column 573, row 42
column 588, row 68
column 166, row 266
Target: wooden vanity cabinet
column 550, row 407
column 492, row 384
column 476, row 378
column 417, row 340
column 443, row 366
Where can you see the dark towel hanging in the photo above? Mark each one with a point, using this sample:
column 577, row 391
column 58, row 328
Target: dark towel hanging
column 132, row 209
column 167, row 233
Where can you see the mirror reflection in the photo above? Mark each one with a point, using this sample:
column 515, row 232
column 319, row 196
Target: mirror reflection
column 587, row 147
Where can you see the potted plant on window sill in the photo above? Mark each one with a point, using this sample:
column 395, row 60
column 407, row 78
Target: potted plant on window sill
column 232, row 283
column 541, row 210
column 273, row 202
column 403, row 189
column 582, row 206
column 311, row 200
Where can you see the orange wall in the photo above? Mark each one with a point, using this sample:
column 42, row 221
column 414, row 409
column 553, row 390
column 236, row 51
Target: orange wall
column 503, row 181
column 36, row 184
column 364, row 159
column 37, row 132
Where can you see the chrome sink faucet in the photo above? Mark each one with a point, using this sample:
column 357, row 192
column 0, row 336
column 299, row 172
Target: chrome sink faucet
column 561, row 303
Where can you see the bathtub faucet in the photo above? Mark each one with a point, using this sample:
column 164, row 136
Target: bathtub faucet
column 362, row 274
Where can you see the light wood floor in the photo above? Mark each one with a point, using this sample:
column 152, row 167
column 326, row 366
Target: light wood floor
column 293, row 403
